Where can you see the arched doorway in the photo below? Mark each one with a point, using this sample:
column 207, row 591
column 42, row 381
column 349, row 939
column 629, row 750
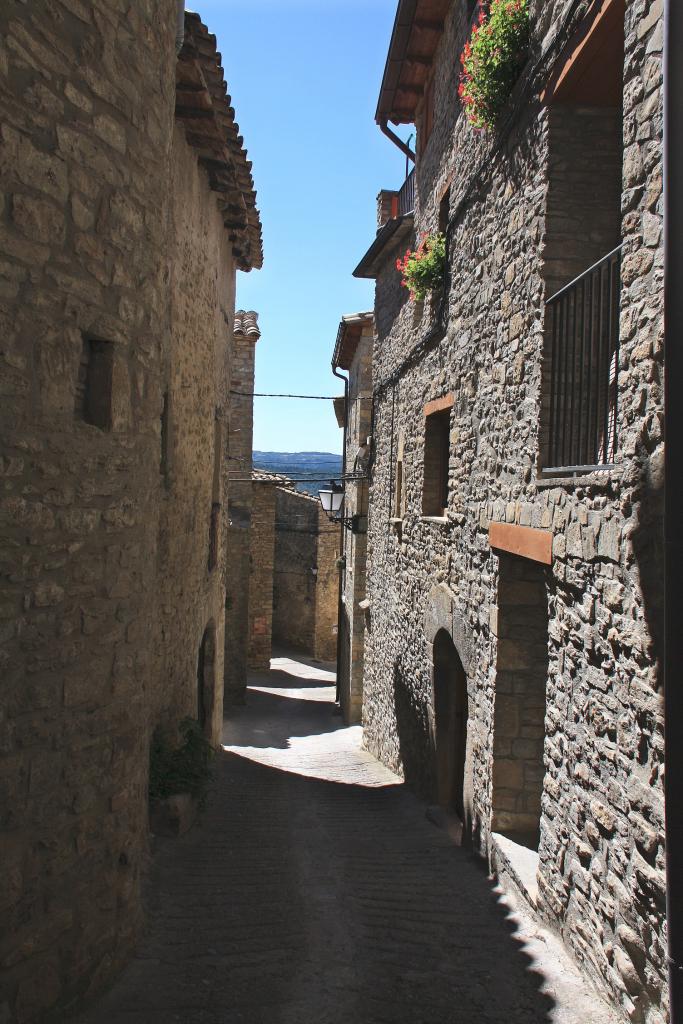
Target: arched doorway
column 206, row 668
column 450, row 714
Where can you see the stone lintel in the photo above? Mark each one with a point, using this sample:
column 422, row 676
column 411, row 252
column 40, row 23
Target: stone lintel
column 524, row 541
column 439, row 404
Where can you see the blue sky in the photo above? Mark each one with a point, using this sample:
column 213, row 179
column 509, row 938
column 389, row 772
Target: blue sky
column 304, row 76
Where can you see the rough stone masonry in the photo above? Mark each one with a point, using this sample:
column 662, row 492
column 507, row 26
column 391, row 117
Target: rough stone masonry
column 121, row 229
column 516, row 628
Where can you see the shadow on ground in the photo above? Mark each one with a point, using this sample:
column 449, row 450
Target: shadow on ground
column 297, row 899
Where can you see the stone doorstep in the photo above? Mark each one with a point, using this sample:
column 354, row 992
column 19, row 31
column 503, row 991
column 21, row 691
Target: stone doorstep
column 516, row 867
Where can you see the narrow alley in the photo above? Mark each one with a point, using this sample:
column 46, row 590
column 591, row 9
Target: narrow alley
column 314, row 889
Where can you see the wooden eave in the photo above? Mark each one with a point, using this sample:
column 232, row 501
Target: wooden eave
column 589, row 71
column 348, row 337
column 417, row 30
column 203, row 106
column 389, row 236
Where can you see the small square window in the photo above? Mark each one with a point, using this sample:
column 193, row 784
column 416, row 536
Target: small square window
column 164, row 466
column 93, row 401
column 214, row 523
column 436, row 463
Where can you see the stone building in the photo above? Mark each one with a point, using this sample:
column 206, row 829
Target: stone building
column 293, row 585
column 353, row 353
column 121, row 230
column 240, row 491
column 515, row 500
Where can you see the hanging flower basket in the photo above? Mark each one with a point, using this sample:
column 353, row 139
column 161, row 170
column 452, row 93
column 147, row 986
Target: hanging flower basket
column 423, row 269
column 492, row 59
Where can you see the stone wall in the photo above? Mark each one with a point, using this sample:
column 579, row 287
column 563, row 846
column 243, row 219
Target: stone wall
column 601, row 857
column 191, row 579
column 296, row 569
column 359, row 428
column 238, row 471
column 293, row 581
column 262, row 564
column 304, row 576
column 326, row 589
column 116, row 277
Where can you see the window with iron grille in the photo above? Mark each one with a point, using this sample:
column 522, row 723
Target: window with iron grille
column 582, row 359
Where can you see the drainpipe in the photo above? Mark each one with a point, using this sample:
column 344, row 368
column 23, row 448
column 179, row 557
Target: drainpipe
column 180, row 25
column 342, row 532
column 404, row 147
column 673, row 496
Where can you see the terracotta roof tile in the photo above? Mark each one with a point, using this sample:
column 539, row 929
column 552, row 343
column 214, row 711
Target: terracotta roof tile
column 204, row 107
column 246, row 324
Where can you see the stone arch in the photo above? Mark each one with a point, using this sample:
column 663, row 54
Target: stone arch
column 206, row 679
column 450, row 651
column 442, row 614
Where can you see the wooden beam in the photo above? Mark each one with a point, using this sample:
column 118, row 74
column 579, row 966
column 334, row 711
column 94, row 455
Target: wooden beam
column 536, row 545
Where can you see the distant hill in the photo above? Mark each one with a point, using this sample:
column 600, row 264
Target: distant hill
column 301, row 464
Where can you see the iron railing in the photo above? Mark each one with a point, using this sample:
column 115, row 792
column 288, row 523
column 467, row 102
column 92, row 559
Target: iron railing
column 582, row 338
column 406, row 195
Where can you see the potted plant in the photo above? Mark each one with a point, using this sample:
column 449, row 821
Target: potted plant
column 178, row 779
column 492, row 59
column 422, row 270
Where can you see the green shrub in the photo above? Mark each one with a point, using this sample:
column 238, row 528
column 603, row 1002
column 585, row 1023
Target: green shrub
column 183, row 769
column 492, row 60
column 423, row 269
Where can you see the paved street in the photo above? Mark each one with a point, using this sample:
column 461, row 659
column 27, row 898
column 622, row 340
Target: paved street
column 314, row 890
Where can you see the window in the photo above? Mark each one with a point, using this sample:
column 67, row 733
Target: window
column 213, row 535
column 164, row 453
column 582, row 256
column 436, row 457
column 399, row 509
column 93, row 401
column 444, row 211
column 215, row 518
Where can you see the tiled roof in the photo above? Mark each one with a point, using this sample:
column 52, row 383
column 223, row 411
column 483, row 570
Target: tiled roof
column 261, row 476
column 246, row 324
column 348, row 335
column 283, row 483
column 203, row 106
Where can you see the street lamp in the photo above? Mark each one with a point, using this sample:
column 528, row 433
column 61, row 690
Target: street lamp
column 332, row 501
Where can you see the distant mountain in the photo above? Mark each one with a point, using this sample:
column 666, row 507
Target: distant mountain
column 324, row 465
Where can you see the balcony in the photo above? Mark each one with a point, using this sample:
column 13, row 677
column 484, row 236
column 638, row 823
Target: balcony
column 395, row 223
column 580, row 371
column 406, row 196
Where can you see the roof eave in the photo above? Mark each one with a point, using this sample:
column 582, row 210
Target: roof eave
column 348, row 336
column 394, row 231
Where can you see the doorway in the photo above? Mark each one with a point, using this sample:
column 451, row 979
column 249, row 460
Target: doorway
column 206, row 663
column 450, row 712
column 520, row 700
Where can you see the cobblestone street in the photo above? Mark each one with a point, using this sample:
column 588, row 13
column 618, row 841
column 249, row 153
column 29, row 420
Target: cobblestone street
column 315, row 890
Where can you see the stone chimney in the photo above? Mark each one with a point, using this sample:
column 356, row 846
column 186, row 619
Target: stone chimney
column 387, row 206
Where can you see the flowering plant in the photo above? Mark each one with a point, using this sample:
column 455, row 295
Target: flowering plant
column 423, row 269
column 492, row 59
